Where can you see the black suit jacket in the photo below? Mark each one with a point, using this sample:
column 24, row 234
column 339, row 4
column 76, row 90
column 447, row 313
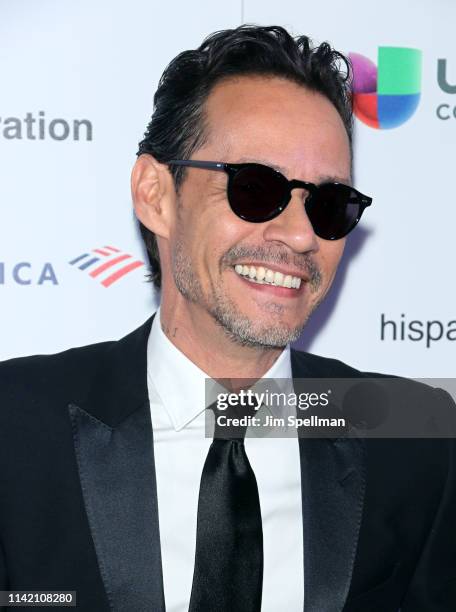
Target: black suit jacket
column 78, row 501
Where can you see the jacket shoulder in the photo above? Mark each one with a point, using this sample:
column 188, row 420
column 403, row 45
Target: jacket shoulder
column 30, row 376
column 314, row 366
column 323, row 367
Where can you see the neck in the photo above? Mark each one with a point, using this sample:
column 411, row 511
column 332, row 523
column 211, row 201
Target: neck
column 196, row 334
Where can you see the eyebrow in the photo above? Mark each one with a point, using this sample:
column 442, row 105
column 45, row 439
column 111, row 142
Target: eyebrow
column 324, row 178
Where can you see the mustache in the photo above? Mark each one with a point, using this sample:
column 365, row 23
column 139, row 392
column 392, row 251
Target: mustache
column 304, row 262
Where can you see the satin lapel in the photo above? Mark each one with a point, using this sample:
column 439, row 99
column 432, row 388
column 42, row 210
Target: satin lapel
column 333, row 486
column 113, row 442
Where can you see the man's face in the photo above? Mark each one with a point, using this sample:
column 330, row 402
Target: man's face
column 281, row 124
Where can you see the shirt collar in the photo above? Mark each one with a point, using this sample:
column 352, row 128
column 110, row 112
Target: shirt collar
column 180, row 384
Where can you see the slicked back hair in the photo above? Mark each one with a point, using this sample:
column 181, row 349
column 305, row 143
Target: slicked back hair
column 177, row 126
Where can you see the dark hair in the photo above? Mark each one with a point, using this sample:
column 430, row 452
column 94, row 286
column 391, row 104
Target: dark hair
column 177, row 127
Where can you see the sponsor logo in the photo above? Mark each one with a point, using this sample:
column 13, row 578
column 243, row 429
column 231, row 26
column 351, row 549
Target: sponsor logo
column 445, row 110
column 25, row 273
column 32, row 127
column 427, row 332
column 386, row 96
column 107, row 264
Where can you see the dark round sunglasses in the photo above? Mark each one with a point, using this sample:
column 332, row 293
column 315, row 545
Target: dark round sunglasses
column 258, row 193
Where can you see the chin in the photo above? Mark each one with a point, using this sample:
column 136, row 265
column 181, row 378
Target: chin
column 273, row 330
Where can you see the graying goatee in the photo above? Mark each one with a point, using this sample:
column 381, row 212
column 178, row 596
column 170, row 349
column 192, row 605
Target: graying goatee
column 238, row 327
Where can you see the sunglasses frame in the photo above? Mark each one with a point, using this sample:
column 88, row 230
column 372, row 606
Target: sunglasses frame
column 289, row 185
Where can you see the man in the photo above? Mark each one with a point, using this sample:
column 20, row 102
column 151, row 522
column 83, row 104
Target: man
column 108, row 484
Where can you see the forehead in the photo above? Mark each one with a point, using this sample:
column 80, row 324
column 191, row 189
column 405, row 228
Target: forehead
column 278, row 120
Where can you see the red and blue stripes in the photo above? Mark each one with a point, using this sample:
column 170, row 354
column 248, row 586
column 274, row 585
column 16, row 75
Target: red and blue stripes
column 108, row 264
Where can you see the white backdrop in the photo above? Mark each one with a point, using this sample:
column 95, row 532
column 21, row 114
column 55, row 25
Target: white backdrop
column 77, row 80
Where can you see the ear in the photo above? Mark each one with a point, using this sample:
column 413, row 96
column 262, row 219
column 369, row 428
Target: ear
column 153, row 194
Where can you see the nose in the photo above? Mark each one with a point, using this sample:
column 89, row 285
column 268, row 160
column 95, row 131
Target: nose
column 293, row 227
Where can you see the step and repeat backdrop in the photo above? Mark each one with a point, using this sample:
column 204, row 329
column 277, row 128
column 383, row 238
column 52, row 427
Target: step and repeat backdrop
column 77, row 81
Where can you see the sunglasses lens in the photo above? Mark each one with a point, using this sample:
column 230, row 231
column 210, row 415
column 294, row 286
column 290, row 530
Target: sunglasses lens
column 334, row 210
column 257, row 193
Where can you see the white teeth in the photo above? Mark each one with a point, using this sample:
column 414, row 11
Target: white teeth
column 278, row 278
column 265, row 276
column 261, row 273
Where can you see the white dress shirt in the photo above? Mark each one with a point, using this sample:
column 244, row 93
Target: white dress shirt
column 177, row 402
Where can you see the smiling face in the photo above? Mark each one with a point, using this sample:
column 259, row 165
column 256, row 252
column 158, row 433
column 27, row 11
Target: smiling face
column 258, row 281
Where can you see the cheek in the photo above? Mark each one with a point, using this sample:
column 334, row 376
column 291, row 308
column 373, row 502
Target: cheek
column 206, row 223
column 330, row 255
column 220, row 231
column 208, row 236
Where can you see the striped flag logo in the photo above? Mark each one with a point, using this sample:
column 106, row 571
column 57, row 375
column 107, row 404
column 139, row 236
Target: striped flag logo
column 106, row 264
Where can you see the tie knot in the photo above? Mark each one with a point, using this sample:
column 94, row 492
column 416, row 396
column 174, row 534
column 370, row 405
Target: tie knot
column 233, row 417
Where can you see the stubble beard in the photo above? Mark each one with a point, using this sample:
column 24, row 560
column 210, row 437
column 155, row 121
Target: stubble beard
column 239, row 328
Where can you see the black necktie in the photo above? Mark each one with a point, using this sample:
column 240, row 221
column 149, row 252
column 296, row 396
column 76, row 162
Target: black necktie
column 228, row 574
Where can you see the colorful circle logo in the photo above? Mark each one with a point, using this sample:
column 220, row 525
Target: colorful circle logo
column 386, row 97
